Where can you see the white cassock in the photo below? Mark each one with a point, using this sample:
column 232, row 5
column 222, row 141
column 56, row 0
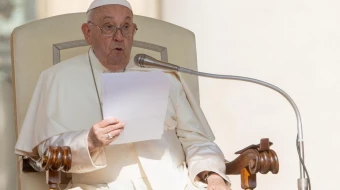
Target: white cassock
column 64, row 107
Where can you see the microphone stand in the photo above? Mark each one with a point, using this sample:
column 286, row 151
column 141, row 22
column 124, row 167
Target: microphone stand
column 143, row 60
column 302, row 181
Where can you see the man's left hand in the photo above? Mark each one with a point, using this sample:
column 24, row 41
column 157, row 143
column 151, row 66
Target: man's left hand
column 216, row 182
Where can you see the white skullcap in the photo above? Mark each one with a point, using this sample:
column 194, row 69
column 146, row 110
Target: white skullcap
column 98, row 3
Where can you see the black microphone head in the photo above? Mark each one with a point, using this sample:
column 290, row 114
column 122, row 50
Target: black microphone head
column 139, row 60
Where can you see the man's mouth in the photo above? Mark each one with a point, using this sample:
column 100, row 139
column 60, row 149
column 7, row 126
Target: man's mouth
column 118, row 49
column 115, row 50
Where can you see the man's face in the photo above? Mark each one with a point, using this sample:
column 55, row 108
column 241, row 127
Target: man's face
column 112, row 51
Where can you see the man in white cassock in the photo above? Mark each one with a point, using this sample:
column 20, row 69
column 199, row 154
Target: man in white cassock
column 65, row 110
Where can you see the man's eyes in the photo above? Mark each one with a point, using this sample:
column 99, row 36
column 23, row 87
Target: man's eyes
column 110, row 27
column 126, row 26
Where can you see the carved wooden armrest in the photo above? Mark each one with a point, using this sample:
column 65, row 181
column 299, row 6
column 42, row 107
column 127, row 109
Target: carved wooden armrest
column 253, row 159
column 54, row 160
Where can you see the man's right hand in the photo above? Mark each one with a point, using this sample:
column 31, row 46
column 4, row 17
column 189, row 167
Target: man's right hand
column 100, row 133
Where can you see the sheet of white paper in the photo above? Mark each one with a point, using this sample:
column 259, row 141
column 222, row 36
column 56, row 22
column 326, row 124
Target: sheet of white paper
column 138, row 99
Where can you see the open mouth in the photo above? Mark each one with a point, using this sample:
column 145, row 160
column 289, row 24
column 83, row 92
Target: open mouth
column 118, row 49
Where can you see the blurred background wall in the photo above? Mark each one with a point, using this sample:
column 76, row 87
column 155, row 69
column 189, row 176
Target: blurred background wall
column 294, row 45
column 12, row 13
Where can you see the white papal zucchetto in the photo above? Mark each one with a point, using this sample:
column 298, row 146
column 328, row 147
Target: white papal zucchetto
column 99, row 3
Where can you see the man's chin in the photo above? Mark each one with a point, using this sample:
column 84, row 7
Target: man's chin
column 117, row 60
column 114, row 63
column 116, row 66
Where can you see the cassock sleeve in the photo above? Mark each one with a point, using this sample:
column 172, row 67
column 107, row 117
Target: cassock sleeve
column 82, row 160
column 53, row 120
column 201, row 153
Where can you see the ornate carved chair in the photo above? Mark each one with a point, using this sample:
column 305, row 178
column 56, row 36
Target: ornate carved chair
column 41, row 44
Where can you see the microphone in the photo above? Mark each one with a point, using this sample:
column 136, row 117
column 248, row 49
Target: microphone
column 146, row 61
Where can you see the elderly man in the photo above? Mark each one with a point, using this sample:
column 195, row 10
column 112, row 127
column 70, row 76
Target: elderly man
column 67, row 102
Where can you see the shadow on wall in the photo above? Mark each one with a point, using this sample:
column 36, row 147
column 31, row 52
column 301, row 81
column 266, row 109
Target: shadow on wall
column 8, row 167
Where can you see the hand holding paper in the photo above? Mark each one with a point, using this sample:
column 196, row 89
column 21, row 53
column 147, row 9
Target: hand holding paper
column 139, row 99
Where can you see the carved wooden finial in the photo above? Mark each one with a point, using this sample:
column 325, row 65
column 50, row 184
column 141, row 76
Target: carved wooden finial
column 254, row 159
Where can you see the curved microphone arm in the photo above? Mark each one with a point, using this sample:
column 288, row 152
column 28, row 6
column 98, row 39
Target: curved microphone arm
column 302, row 182
column 246, row 79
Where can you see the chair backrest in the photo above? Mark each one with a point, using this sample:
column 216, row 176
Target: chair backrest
column 38, row 45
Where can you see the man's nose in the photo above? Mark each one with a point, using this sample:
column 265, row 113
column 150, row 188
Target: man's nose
column 118, row 36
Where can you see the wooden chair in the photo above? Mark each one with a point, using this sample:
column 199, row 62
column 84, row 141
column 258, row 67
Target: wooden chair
column 39, row 45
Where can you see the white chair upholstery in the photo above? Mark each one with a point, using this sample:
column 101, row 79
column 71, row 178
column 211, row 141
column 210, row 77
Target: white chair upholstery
column 38, row 45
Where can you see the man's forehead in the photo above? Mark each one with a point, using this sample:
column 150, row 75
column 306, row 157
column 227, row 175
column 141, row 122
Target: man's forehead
column 109, row 12
column 100, row 3
column 108, row 17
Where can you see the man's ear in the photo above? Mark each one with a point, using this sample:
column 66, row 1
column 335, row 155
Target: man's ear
column 87, row 33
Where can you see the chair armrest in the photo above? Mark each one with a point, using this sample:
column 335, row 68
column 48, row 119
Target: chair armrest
column 253, row 159
column 54, row 161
